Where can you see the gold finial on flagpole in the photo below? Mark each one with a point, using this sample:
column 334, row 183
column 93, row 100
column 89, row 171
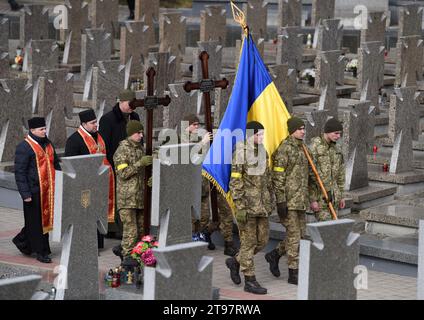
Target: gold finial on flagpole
column 239, row 17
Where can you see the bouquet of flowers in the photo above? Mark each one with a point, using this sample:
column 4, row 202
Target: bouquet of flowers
column 352, row 65
column 308, row 74
column 143, row 251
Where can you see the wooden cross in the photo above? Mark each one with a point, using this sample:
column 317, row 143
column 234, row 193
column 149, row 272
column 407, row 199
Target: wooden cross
column 150, row 102
column 207, row 85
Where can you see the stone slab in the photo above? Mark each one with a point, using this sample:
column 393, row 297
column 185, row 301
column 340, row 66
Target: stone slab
column 389, row 249
column 371, row 192
column 411, row 177
column 396, row 214
column 19, row 288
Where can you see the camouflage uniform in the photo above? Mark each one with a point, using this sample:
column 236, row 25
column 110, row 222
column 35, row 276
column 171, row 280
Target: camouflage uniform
column 330, row 165
column 204, row 223
column 129, row 191
column 252, row 193
column 292, row 183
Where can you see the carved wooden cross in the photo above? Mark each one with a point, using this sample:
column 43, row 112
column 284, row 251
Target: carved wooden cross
column 207, row 85
column 150, row 102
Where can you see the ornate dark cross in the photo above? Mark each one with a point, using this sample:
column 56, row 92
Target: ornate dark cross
column 207, row 85
column 150, row 102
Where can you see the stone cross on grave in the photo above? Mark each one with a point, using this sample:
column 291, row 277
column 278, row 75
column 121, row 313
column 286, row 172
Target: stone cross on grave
column 327, row 263
column 77, row 14
column 134, row 45
column 256, row 13
column 182, row 272
column 4, row 35
column 96, row 46
column 285, row 82
column 147, row 11
column 15, row 97
column 358, row 124
column 54, row 90
column 404, row 126
column 375, row 28
column 314, row 126
column 410, row 20
column 80, row 208
column 214, row 49
column 290, row 47
column 150, row 103
column 328, row 35
column 371, row 71
column 34, row 24
column 322, row 9
column 180, row 262
column 289, row 13
column 172, row 35
column 409, row 62
column 172, row 210
column 213, row 24
column 41, row 55
column 105, row 14
column 182, row 103
column 206, row 85
column 106, row 79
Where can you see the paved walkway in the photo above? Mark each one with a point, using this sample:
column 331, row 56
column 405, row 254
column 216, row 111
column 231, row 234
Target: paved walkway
column 381, row 286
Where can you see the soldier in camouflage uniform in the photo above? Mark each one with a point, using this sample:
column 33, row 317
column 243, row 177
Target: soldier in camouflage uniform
column 129, row 160
column 330, row 165
column 293, row 181
column 251, row 190
column 205, row 225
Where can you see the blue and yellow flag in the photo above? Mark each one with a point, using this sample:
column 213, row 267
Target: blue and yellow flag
column 254, row 98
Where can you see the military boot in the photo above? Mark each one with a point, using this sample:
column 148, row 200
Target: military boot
column 234, row 267
column 230, row 250
column 117, row 251
column 208, row 238
column 273, row 257
column 293, row 276
column 252, row 286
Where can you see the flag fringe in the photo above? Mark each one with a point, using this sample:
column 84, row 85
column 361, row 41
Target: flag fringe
column 226, row 195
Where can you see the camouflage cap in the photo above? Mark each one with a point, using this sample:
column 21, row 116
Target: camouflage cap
column 126, row 95
column 294, row 123
column 134, row 126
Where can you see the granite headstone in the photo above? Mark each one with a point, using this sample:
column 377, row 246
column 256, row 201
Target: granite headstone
column 80, row 208
column 16, row 98
column 327, row 263
column 213, row 22
column 34, row 23
column 289, row 13
column 96, row 46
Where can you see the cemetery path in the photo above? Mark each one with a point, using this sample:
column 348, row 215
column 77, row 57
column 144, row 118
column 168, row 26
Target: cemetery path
column 381, row 285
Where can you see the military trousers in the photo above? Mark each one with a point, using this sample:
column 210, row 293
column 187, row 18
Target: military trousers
column 132, row 228
column 254, row 235
column 225, row 223
column 295, row 224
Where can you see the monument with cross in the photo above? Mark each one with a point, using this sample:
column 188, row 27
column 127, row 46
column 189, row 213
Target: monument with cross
column 403, row 127
column 55, row 102
column 16, row 97
column 206, row 85
column 80, row 208
column 180, row 262
column 150, row 103
column 358, row 124
column 327, row 263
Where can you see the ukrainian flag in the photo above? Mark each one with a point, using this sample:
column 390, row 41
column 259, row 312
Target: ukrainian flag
column 254, row 98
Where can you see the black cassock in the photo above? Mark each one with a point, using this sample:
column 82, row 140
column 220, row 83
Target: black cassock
column 75, row 146
column 31, row 238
